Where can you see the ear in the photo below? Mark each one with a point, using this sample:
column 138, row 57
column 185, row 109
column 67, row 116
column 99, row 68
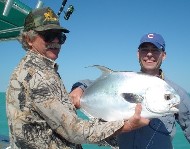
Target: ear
column 163, row 55
column 138, row 54
column 28, row 41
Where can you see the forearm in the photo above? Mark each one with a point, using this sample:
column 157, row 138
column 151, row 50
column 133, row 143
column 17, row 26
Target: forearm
column 92, row 131
column 60, row 114
column 183, row 117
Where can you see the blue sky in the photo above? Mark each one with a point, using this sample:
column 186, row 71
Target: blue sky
column 107, row 32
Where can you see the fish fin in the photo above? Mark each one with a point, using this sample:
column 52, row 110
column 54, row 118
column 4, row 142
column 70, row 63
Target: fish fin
column 103, row 69
column 132, row 98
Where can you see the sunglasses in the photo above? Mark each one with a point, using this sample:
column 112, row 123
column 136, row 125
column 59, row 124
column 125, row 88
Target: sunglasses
column 146, row 50
column 49, row 36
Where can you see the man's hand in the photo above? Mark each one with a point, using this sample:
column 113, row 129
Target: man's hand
column 75, row 96
column 136, row 121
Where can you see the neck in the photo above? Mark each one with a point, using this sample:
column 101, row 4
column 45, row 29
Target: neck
column 151, row 72
column 157, row 73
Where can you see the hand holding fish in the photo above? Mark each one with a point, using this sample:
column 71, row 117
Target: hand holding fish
column 75, row 96
column 136, row 121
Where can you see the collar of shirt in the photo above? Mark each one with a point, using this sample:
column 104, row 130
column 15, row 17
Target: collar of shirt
column 42, row 59
column 161, row 74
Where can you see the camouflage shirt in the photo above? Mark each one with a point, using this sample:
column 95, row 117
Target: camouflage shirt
column 40, row 113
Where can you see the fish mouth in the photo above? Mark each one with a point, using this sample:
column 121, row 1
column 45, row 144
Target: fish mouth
column 175, row 108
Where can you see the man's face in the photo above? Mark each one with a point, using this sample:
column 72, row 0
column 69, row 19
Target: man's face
column 48, row 43
column 150, row 57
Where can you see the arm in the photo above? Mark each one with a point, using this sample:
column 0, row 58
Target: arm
column 183, row 117
column 52, row 102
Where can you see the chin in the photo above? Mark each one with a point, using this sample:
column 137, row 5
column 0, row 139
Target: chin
column 53, row 57
column 53, row 54
column 149, row 67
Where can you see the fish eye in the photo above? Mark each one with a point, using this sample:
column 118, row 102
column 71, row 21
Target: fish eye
column 168, row 96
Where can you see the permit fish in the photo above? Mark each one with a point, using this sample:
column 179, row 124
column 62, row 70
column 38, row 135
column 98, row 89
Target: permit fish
column 114, row 95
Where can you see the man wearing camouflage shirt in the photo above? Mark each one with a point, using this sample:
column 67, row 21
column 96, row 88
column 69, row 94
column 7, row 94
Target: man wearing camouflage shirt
column 39, row 110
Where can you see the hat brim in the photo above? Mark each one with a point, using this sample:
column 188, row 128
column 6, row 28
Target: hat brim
column 51, row 27
column 154, row 43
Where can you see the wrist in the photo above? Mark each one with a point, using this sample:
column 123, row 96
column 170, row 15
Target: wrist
column 83, row 86
column 127, row 126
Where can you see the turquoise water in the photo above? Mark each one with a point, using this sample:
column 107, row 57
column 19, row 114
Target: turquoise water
column 3, row 119
column 179, row 141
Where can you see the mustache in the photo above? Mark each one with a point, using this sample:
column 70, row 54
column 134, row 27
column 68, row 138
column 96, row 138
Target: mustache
column 53, row 46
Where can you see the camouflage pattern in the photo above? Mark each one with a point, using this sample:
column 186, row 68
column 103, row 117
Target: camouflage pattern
column 42, row 19
column 40, row 113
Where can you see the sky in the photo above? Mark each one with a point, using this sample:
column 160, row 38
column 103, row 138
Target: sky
column 108, row 32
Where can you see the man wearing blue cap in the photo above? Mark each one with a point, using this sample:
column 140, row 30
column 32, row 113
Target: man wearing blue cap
column 160, row 132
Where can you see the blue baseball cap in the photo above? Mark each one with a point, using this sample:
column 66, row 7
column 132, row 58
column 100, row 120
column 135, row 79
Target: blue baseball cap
column 155, row 39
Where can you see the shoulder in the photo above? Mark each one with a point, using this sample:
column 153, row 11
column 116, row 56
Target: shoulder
column 181, row 91
column 184, row 106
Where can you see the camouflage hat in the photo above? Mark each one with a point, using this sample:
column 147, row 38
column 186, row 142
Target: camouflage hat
column 42, row 19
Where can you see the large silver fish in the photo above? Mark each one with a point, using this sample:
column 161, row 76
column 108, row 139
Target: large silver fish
column 113, row 96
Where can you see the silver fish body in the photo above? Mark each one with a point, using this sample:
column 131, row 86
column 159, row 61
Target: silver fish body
column 114, row 95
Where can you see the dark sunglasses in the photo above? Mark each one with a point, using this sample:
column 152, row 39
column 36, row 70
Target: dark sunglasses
column 50, row 36
column 152, row 50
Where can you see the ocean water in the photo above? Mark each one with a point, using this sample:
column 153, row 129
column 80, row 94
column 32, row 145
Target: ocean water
column 179, row 141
